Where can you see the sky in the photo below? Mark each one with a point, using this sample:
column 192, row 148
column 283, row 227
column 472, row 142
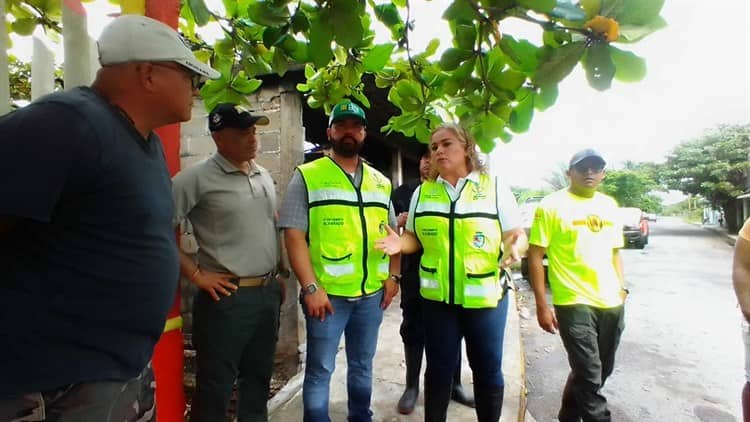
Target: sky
column 698, row 77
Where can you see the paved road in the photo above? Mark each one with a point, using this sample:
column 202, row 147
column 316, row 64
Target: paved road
column 681, row 356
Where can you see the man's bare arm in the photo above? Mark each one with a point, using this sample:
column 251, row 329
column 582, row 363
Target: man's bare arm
column 741, row 275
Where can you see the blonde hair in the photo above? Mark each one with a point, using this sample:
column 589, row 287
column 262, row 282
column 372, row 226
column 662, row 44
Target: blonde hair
column 470, row 146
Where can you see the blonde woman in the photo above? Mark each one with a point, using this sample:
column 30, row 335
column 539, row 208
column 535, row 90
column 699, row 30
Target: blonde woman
column 462, row 219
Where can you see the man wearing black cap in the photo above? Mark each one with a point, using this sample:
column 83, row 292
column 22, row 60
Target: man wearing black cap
column 230, row 201
column 335, row 207
column 580, row 233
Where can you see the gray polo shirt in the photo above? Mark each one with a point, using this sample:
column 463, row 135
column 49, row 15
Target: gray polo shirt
column 232, row 214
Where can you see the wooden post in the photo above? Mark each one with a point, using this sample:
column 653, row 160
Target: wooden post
column 42, row 69
column 77, row 65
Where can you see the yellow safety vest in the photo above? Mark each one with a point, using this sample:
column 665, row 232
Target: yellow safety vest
column 462, row 243
column 344, row 223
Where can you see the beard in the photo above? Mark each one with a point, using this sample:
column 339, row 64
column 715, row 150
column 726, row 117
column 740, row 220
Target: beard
column 346, row 149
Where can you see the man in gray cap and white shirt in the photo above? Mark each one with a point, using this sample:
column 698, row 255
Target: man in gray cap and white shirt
column 230, row 202
column 87, row 250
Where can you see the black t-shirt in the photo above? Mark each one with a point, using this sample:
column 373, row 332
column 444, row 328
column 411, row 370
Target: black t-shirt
column 401, row 198
column 89, row 273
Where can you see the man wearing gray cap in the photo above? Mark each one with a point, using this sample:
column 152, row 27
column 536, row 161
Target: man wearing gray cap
column 87, row 249
column 230, row 202
column 580, row 233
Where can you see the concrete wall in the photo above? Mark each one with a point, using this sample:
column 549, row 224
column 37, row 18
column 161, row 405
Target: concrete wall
column 280, row 151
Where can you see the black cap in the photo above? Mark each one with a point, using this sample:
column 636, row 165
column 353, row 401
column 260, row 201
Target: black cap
column 236, row 116
column 584, row 154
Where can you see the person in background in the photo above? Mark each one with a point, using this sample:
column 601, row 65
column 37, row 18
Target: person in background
column 463, row 219
column 580, row 231
column 335, row 207
column 87, row 246
column 230, row 201
column 741, row 281
column 412, row 324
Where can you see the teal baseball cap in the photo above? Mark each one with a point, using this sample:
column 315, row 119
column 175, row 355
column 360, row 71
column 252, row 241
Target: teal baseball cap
column 347, row 109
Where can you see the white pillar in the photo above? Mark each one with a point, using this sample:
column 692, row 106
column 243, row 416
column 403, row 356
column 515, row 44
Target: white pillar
column 77, row 66
column 42, row 69
column 4, row 79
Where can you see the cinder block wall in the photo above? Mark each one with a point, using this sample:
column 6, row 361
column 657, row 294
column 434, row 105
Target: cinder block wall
column 280, row 151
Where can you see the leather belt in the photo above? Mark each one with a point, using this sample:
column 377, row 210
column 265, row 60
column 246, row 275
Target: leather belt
column 258, row 281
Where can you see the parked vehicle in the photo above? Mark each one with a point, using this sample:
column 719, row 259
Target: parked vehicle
column 634, row 227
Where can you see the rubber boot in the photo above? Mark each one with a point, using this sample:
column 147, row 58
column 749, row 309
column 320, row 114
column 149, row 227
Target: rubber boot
column 489, row 403
column 413, row 359
column 458, row 392
column 436, row 399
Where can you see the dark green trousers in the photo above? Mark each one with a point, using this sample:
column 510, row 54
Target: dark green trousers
column 590, row 336
column 235, row 338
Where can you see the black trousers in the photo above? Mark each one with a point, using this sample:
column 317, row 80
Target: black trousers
column 590, row 336
column 412, row 324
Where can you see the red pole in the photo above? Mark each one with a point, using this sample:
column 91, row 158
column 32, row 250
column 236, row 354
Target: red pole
column 168, row 359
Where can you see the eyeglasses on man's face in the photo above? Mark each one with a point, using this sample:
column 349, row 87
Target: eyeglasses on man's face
column 584, row 168
column 196, row 81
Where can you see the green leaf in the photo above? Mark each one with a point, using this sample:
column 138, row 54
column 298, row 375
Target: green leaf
column 224, row 47
column 452, row 57
column 568, row 11
column 636, row 12
column 546, row 97
column 279, row 62
column 24, row 26
column 388, row 14
column 268, row 14
column 200, row 12
column 509, row 80
column 522, row 54
column 628, row 66
column 410, row 94
column 243, row 85
column 347, row 28
column 203, row 55
column 376, row 59
column 523, row 112
column 559, row 63
column 300, row 23
column 591, row 7
column 460, row 11
column 361, row 98
column 321, row 36
column 599, row 66
column 541, row 6
column 633, row 33
column 466, row 36
column 465, row 70
column 230, row 6
column 486, row 130
column 273, row 35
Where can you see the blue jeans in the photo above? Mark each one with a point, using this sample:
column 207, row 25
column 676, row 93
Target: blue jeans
column 359, row 320
column 483, row 331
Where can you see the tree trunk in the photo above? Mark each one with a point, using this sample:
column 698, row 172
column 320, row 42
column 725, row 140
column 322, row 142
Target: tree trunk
column 731, row 216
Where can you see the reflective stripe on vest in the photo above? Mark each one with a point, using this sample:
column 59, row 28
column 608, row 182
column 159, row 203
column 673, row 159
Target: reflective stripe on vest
column 462, row 244
column 344, row 223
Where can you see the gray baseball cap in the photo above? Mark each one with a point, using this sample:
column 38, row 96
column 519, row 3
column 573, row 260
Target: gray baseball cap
column 135, row 38
column 584, row 154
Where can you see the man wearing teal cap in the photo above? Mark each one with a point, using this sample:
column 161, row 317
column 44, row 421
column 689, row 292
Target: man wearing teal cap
column 334, row 210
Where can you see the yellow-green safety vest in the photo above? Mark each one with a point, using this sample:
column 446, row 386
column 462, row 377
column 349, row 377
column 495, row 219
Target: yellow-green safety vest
column 344, row 223
column 462, row 243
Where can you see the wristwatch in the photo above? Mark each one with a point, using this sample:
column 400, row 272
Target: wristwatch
column 308, row 289
column 396, row 278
